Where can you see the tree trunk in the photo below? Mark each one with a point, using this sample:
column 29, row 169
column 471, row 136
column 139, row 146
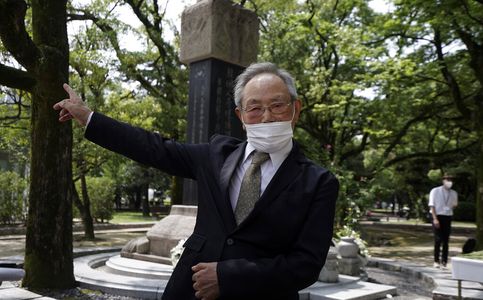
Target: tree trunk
column 86, row 217
column 479, row 174
column 137, row 197
column 176, row 190
column 145, row 200
column 117, row 197
column 48, row 249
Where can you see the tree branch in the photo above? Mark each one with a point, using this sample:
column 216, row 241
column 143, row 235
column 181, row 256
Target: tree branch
column 427, row 154
column 128, row 67
column 16, row 79
column 475, row 50
column 14, row 36
column 450, row 80
column 403, row 131
column 356, row 150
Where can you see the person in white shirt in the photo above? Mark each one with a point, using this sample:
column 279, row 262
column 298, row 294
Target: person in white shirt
column 442, row 201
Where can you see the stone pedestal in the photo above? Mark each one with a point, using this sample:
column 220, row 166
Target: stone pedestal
column 350, row 266
column 330, row 271
column 349, row 261
column 163, row 236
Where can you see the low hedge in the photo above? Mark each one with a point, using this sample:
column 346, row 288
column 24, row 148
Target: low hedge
column 465, row 211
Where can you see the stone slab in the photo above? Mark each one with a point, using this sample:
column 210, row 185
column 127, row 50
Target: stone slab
column 445, row 286
column 137, row 268
column 20, row 294
column 355, row 290
column 88, row 277
column 6, row 285
column 452, row 293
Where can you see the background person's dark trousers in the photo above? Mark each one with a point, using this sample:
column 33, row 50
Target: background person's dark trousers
column 441, row 237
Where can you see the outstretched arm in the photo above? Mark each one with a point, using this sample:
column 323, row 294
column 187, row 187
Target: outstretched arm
column 72, row 107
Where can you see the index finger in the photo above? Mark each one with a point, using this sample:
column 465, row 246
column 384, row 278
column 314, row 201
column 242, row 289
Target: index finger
column 69, row 91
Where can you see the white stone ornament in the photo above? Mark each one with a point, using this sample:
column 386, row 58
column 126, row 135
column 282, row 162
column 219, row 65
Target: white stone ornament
column 347, row 247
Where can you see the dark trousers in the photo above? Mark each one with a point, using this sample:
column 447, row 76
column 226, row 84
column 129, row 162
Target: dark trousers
column 441, row 238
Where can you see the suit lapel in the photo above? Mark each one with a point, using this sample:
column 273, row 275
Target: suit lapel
column 226, row 173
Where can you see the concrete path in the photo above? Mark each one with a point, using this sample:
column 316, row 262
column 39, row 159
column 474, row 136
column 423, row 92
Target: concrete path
column 444, row 286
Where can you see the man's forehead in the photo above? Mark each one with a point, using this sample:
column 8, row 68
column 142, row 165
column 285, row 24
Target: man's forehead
column 275, row 98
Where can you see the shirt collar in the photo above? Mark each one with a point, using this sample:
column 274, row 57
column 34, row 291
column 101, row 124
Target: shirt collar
column 276, row 158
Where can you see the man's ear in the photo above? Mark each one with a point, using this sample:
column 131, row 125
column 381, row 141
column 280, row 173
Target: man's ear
column 298, row 107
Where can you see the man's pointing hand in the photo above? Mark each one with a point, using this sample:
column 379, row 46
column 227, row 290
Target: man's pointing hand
column 72, row 107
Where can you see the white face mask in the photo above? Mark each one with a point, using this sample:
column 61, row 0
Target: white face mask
column 269, row 137
column 447, row 184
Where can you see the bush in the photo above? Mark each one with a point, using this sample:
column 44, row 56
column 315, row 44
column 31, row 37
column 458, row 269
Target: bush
column 12, row 187
column 465, row 211
column 101, row 194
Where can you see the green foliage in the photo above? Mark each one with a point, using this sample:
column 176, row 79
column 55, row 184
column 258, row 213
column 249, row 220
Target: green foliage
column 378, row 110
column 465, row 211
column 12, row 189
column 101, row 194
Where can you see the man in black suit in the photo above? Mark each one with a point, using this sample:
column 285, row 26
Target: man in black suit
column 241, row 248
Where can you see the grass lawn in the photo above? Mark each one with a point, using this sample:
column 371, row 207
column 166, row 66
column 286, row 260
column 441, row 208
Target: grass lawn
column 414, row 245
column 130, row 217
column 417, row 222
column 474, row 255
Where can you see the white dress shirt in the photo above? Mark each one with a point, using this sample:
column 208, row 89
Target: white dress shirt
column 89, row 118
column 443, row 200
column 268, row 170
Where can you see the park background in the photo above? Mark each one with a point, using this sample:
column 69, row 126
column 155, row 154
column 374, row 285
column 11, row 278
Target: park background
column 392, row 97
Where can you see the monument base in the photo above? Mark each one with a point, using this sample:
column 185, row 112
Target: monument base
column 163, row 236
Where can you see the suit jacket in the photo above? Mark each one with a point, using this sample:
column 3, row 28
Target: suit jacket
column 276, row 251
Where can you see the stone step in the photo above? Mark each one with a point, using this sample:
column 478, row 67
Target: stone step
column 348, row 288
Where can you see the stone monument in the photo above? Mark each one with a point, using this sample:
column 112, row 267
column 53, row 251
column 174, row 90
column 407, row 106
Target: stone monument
column 218, row 40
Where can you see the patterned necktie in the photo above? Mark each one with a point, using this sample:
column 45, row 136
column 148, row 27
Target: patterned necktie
column 250, row 187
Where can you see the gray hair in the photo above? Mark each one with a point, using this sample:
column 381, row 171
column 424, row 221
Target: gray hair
column 259, row 68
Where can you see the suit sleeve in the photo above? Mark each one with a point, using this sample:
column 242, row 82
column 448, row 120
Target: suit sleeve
column 145, row 147
column 291, row 271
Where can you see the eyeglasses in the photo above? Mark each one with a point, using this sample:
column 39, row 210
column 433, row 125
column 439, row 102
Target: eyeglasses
column 276, row 108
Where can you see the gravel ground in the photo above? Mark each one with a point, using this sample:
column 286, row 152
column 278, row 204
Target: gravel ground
column 83, row 294
column 77, row 293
